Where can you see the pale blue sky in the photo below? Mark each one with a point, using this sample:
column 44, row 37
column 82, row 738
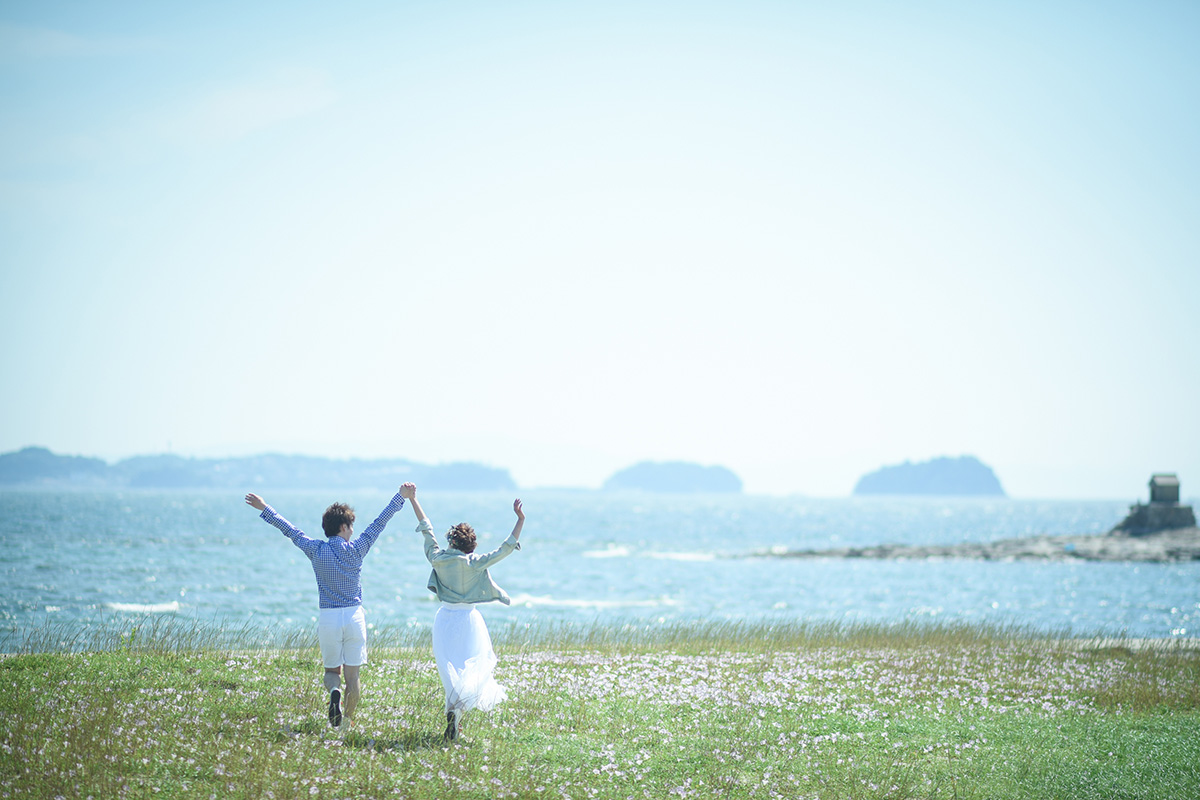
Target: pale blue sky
column 801, row 240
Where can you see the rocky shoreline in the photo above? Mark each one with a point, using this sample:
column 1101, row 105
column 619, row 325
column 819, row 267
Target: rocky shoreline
column 1169, row 546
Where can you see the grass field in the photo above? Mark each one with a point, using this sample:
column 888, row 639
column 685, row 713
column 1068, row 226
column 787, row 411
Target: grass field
column 171, row 710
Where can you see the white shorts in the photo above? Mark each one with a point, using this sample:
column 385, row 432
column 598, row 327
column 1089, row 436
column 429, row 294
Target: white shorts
column 342, row 633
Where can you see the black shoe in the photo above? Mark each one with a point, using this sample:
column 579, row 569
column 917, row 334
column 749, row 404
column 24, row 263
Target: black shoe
column 451, row 728
column 335, row 708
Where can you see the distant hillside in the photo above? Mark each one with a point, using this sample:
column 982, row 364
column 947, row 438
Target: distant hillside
column 675, row 476
column 37, row 466
column 963, row 476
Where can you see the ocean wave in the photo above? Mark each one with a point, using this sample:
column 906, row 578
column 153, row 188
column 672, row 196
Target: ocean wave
column 612, row 551
column 530, row 601
column 684, row 556
column 144, row 608
column 620, row 551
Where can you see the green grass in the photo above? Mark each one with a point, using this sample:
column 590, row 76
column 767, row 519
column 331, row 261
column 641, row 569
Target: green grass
column 179, row 710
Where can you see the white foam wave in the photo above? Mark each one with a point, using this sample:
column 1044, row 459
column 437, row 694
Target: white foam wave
column 144, row 608
column 620, row 551
column 530, row 601
column 613, row 551
column 684, row 556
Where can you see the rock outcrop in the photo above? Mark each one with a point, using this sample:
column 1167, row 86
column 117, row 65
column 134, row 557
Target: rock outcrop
column 1181, row 544
column 1163, row 513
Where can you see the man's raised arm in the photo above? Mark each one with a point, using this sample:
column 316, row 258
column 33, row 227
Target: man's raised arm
column 367, row 538
column 271, row 517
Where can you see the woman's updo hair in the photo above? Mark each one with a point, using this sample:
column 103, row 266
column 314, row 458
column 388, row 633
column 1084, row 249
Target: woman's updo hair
column 462, row 538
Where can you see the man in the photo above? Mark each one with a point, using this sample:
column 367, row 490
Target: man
column 337, row 564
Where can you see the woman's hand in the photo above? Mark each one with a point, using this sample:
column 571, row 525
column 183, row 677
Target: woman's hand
column 255, row 501
column 520, row 512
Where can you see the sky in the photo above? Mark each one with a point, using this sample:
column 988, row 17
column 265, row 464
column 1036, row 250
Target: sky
column 800, row 240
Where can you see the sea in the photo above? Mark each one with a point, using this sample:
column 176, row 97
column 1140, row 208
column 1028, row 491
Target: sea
column 97, row 558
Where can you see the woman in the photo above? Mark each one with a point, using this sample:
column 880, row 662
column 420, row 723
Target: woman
column 462, row 647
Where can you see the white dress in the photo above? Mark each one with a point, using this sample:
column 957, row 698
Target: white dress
column 465, row 659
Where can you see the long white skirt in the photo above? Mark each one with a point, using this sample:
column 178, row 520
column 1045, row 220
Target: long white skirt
column 465, row 659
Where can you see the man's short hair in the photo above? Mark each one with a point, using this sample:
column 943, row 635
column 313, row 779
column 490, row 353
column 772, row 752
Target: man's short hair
column 462, row 538
column 336, row 516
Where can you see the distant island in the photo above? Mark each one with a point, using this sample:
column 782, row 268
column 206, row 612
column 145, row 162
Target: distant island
column 37, row 466
column 674, row 476
column 965, row 476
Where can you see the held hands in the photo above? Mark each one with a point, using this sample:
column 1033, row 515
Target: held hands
column 255, row 501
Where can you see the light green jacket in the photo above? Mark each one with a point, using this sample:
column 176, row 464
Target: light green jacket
column 459, row 577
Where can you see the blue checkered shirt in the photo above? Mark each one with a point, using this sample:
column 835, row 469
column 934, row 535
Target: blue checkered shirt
column 336, row 562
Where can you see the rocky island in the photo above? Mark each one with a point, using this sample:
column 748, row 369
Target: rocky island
column 965, row 476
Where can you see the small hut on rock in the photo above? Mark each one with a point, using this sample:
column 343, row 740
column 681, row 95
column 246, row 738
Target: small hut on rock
column 1163, row 513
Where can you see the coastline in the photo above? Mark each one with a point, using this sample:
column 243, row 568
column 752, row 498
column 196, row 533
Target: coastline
column 1169, row 546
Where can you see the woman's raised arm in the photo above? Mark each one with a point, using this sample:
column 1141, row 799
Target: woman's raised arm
column 409, row 492
column 520, row 512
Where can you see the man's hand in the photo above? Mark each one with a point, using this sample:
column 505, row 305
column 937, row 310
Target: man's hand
column 255, row 501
